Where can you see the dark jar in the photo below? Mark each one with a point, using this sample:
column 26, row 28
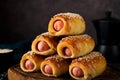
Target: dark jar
column 108, row 41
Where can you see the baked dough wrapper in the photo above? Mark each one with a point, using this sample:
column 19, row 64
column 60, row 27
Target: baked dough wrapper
column 34, row 58
column 92, row 65
column 73, row 24
column 58, row 64
column 79, row 45
column 50, row 40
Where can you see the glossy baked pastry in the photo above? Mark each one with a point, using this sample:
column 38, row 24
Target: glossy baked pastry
column 44, row 44
column 30, row 62
column 88, row 66
column 66, row 24
column 75, row 46
column 54, row 66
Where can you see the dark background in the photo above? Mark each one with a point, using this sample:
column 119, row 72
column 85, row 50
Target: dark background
column 23, row 19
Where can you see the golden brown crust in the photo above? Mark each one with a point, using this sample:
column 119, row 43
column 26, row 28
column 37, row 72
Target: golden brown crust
column 50, row 40
column 93, row 65
column 59, row 65
column 79, row 45
column 73, row 24
column 36, row 60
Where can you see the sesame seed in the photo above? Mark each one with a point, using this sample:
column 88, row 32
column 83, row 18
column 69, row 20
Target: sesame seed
column 90, row 56
column 69, row 15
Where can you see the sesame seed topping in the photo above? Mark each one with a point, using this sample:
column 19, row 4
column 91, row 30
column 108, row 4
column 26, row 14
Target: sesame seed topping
column 90, row 56
column 83, row 37
column 45, row 33
column 69, row 15
column 30, row 53
column 57, row 58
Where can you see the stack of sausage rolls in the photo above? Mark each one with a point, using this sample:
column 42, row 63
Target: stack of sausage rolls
column 64, row 48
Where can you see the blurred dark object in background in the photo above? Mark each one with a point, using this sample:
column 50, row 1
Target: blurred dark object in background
column 6, row 58
column 108, row 41
column 14, row 57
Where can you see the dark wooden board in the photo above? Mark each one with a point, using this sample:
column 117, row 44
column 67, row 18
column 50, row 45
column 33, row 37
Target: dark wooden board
column 15, row 73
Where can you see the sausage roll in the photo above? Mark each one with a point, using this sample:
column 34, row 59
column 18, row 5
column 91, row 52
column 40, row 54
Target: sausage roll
column 75, row 46
column 88, row 66
column 30, row 62
column 63, row 24
column 44, row 44
column 55, row 66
